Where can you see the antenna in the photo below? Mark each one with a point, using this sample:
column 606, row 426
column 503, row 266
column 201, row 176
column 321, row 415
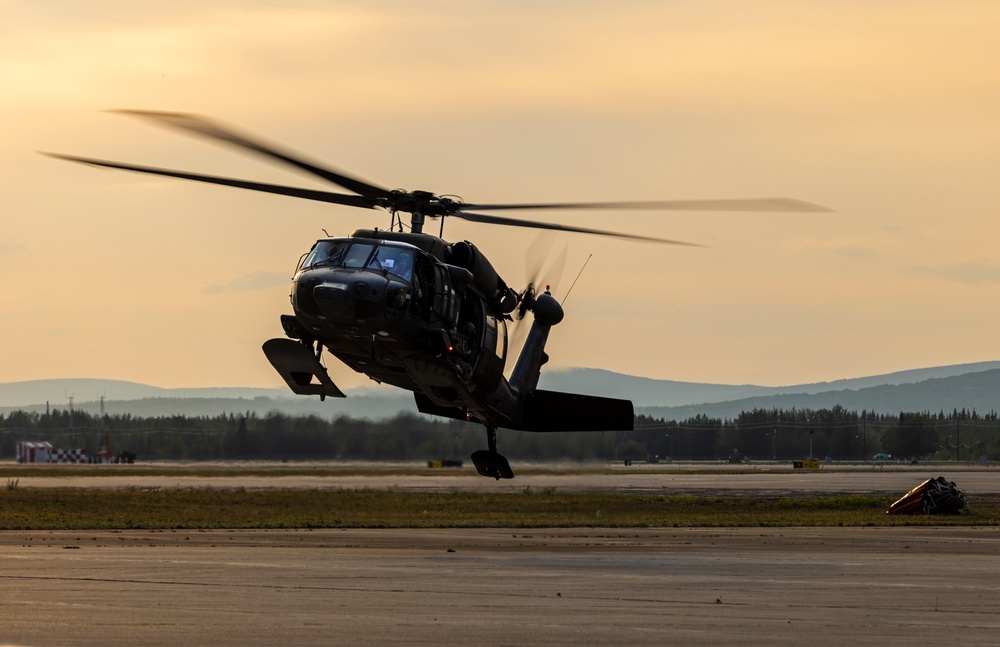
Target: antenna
column 577, row 278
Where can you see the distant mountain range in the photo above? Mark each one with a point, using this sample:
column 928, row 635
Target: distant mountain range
column 969, row 386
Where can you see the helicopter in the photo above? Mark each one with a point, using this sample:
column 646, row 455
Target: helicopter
column 412, row 310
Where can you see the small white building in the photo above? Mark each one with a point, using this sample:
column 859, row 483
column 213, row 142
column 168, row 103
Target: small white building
column 33, row 452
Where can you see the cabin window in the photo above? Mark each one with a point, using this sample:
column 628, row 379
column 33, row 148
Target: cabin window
column 501, row 350
column 490, row 334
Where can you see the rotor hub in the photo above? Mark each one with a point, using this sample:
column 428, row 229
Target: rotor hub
column 422, row 202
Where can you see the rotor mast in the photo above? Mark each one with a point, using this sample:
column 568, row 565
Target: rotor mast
column 417, row 221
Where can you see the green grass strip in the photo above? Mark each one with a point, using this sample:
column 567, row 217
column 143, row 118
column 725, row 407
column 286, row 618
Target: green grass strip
column 76, row 509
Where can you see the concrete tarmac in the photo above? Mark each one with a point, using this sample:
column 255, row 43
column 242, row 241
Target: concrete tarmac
column 718, row 586
column 787, row 586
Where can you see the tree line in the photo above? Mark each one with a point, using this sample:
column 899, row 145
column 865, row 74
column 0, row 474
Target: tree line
column 761, row 434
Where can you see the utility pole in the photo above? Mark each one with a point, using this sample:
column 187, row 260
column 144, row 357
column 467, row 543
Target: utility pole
column 107, row 440
column 958, row 439
column 71, row 419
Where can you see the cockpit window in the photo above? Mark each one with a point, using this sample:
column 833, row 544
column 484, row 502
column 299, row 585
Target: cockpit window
column 346, row 253
column 326, row 252
column 394, row 260
column 357, row 255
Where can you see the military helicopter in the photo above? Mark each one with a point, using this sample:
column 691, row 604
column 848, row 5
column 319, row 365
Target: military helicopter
column 409, row 309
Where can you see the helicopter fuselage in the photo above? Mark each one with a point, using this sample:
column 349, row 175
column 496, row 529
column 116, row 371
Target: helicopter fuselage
column 389, row 305
column 415, row 312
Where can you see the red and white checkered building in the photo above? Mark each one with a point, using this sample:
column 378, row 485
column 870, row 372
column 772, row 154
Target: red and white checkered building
column 33, row 452
column 29, row 452
column 68, row 456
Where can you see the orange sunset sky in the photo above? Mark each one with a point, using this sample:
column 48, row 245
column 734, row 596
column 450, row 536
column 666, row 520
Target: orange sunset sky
column 887, row 112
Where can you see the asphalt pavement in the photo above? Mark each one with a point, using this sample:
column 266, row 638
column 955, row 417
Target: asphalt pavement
column 788, row 586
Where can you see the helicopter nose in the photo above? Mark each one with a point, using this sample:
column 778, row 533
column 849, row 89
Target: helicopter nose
column 361, row 289
column 349, row 299
column 334, row 301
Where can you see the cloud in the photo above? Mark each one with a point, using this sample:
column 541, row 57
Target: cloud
column 248, row 282
column 971, row 272
column 848, row 249
column 844, row 247
column 7, row 249
column 37, row 313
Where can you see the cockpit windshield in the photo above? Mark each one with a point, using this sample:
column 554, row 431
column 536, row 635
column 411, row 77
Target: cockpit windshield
column 336, row 252
column 368, row 255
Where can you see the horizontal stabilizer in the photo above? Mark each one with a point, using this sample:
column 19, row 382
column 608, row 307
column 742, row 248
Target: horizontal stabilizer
column 300, row 369
column 555, row 411
column 426, row 405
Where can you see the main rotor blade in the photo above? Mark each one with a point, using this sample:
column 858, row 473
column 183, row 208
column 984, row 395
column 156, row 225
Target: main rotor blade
column 295, row 192
column 532, row 224
column 199, row 125
column 744, row 204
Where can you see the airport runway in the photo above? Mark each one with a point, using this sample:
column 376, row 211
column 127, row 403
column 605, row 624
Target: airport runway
column 657, row 479
column 826, row 586
column 747, row 586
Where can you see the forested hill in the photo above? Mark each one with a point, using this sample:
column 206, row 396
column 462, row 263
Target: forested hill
column 371, row 404
column 645, row 392
column 973, row 391
column 969, row 386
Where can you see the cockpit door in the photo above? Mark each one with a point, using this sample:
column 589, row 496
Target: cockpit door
column 492, row 352
column 445, row 300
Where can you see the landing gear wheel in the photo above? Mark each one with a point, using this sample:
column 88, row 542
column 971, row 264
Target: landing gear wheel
column 488, row 462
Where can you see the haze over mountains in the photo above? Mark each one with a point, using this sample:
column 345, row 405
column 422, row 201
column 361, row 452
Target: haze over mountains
column 969, row 386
